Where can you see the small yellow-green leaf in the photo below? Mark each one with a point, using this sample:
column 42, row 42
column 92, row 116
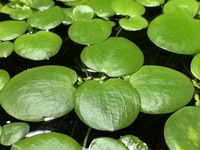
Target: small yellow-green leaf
column 4, row 78
column 41, row 4
column 195, row 66
column 6, row 48
column 151, row 3
column 20, row 14
column 82, row 12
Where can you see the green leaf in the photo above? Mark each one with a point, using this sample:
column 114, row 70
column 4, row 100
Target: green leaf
column 11, row 29
column 102, row 8
column 133, row 23
column 47, row 141
column 194, row 66
column 13, row 132
column 189, row 7
column 81, row 12
column 127, row 8
column 74, row 2
column 69, row 18
column 38, row 46
column 91, row 31
column 6, row 8
column 133, row 142
column 109, row 106
column 182, row 129
column 115, row 56
column 41, row 4
column 4, row 78
column 106, row 143
column 20, row 14
column 175, row 32
column 47, row 19
column 151, row 3
column 39, row 94
column 6, row 48
column 162, row 90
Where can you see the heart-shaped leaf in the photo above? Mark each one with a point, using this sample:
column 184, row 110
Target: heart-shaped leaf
column 127, row 8
column 106, row 143
column 88, row 32
column 115, row 56
column 189, row 7
column 47, row 19
column 109, row 106
column 47, row 141
column 38, row 94
column 4, row 78
column 11, row 29
column 161, row 89
column 38, row 46
column 195, row 69
column 133, row 23
column 6, row 48
column 151, row 3
column 82, row 12
column 102, row 8
column 182, row 129
column 13, row 132
column 175, row 32
column 40, row 5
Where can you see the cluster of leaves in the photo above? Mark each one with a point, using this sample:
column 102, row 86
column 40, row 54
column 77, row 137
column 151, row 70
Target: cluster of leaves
column 123, row 88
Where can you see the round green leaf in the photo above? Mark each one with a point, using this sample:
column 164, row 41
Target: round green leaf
column 102, row 8
column 41, row 4
column 175, row 32
column 182, row 129
column 13, row 132
column 4, row 78
column 109, row 106
column 38, row 46
column 20, row 14
column 189, row 7
column 39, row 94
column 82, row 12
column 11, row 29
column 161, row 89
column 47, row 19
column 74, row 2
column 151, row 3
column 195, row 69
column 88, row 32
column 133, row 23
column 133, row 142
column 6, row 8
column 106, row 143
column 69, row 18
column 6, row 48
column 47, row 141
column 127, row 8
column 115, row 56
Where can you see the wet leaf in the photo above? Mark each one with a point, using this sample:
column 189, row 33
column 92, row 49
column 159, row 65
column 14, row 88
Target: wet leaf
column 175, row 32
column 6, row 48
column 11, row 29
column 39, row 46
column 13, row 132
column 109, row 106
column 162, row 90
column 195, row 69
column 47, row 141
column 39, row 94
column 182, row 129
column 81, row 12
column 151, row 3
column 115, row 56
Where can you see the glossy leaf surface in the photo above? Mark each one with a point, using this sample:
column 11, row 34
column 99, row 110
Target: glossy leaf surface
column 13, row 132
column 162, row 90
column 11, row 29
column 6, row 48
column 109, row 106
column 127, row 8
column 20, row 14
column 88, row 32
column 195, row 66
column 4, row 78
column 175, row 32
column 151, row 3
column 189, row 7
column 106, row 143
column 47, row 141
column 182, row 129
column 38, row 46
column 81, row 12
column 38, row 94
column 41, row 4
column 47, row 19
column 69, row 18
column 115, row 56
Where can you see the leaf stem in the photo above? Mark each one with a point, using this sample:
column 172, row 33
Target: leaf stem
column 86, row 138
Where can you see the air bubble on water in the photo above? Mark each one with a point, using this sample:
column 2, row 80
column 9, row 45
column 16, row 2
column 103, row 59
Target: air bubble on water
column 8, row 121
